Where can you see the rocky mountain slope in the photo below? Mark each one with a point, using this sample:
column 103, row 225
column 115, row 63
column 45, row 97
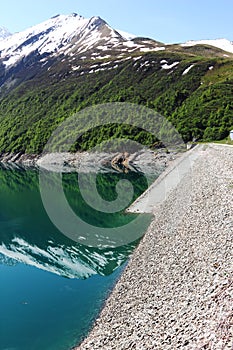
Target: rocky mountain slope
column 56, row 68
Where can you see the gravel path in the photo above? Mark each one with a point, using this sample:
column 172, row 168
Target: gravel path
column 177, row 290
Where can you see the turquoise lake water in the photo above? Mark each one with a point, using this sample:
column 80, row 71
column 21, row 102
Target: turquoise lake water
column 53, row 287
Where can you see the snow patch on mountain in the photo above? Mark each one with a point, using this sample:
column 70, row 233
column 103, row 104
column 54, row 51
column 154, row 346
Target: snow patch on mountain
column 125, row 35
column 188, row 69
column 149, row 49
column 169, row 66
column 222, row 44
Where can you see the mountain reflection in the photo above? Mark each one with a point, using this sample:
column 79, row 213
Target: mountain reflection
column 27, row 235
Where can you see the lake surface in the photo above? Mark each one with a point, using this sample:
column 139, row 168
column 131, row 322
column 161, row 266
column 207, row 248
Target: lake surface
column 53, row 287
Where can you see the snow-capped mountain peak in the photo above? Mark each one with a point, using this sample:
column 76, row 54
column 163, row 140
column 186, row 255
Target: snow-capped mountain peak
column 46, row 37
column 222, row 44
column 54, row 35
column 68, row 35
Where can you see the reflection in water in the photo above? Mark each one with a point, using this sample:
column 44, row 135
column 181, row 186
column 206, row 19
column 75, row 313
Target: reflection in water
column 27, row 235
column 47, row 300
column 68, row 261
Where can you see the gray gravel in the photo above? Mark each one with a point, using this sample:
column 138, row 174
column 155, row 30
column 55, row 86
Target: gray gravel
column 177, row 290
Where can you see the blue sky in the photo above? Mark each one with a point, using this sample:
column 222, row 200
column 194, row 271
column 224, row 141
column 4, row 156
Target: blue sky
column 166, row 21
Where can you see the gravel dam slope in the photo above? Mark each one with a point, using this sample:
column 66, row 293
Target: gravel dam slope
column 177, row 289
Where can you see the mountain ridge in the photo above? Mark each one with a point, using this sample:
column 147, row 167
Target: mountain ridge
column 221, row 43
column 50, row 24
column 64, row 34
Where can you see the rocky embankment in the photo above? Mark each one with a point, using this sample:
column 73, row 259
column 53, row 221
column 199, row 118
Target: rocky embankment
column 177, row 290
column 144, row 160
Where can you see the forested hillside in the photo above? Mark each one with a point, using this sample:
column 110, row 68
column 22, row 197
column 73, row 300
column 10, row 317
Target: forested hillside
column 191, row 87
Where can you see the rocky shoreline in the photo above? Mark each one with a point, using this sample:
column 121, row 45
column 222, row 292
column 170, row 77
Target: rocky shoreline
column 19, row 157
column 177, row 290
column 144, row 160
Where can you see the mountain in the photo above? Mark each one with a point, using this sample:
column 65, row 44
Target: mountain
column 68, row 35
column 4, row 33
column 59, row 67
column 223, row 44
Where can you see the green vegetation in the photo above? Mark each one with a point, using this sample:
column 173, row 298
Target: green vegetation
column 199, row 103
column 225, row 142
